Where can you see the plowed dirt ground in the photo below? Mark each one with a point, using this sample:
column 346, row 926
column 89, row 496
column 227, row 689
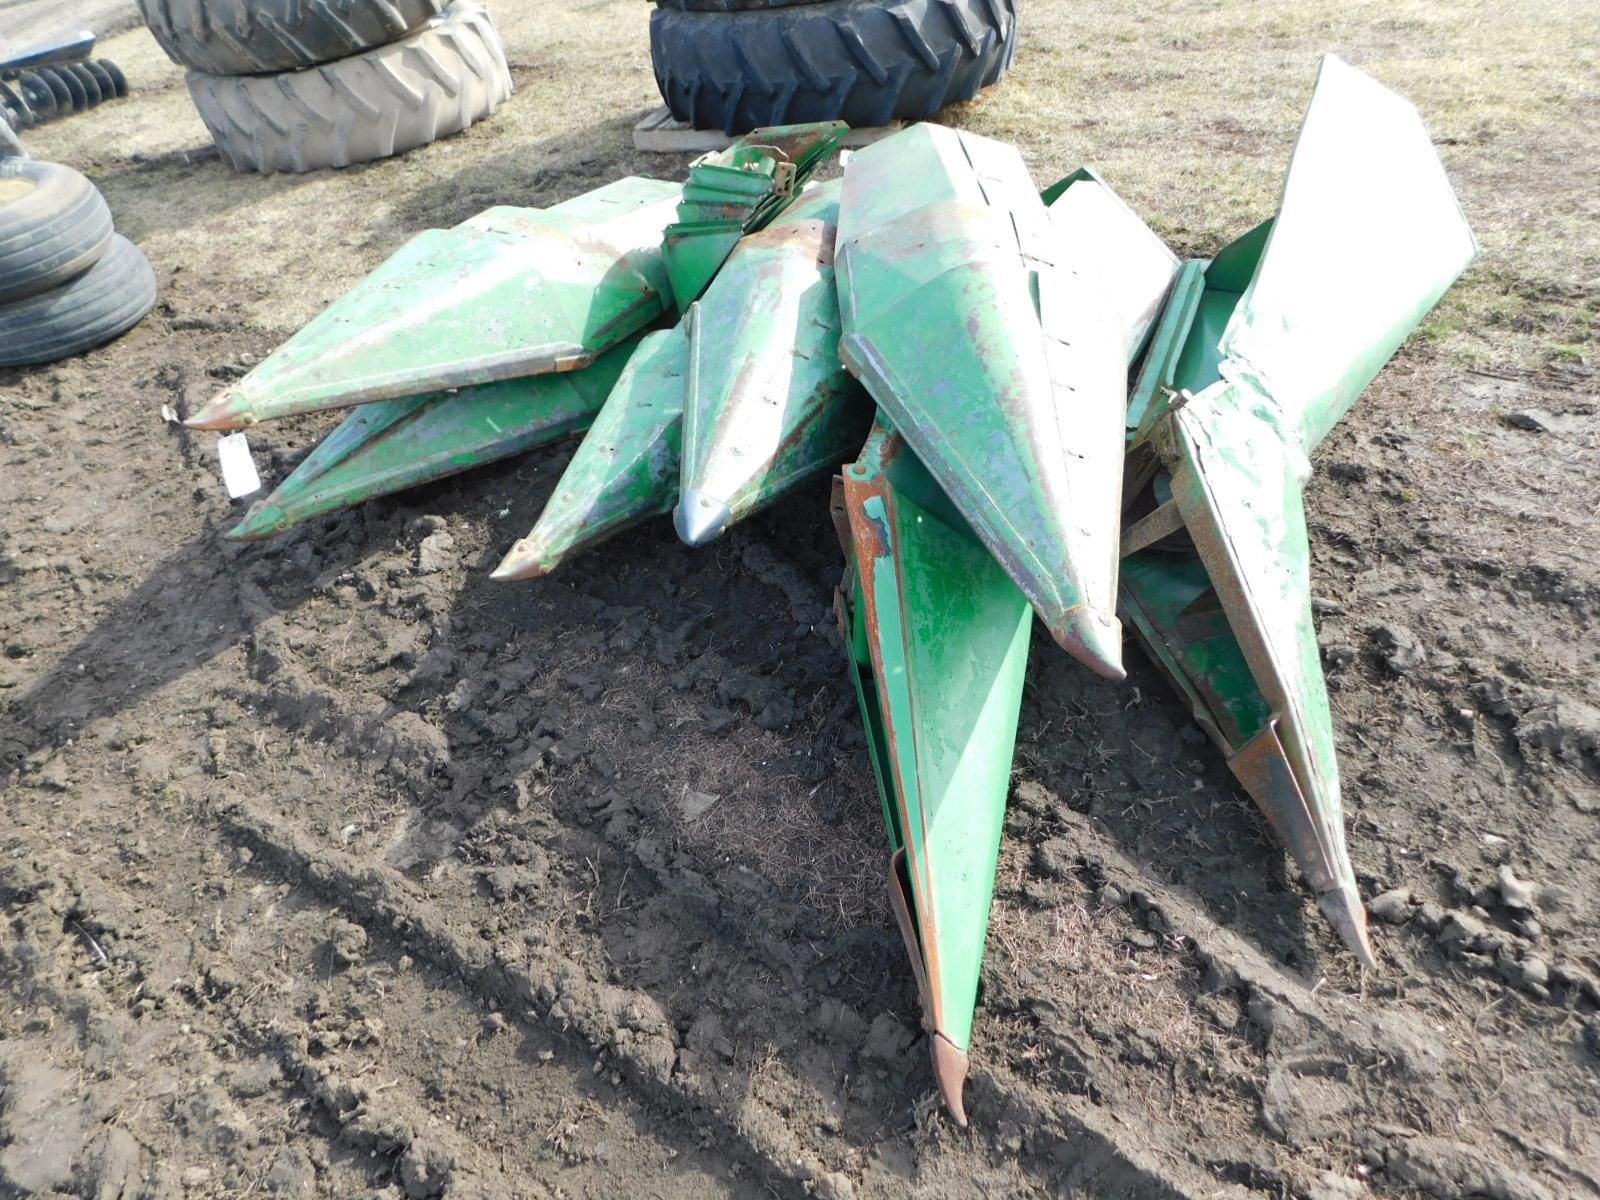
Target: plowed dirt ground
column 328, row 867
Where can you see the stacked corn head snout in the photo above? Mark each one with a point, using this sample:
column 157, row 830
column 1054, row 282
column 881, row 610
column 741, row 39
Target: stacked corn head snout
column 957, row 346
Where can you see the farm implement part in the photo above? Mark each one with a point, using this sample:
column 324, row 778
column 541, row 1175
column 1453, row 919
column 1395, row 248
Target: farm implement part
column 737, row 191
column 938, row 636
column 958, row 346
column 52, row 80
column 451, row 308
column 1260, row 353
column 984, row 336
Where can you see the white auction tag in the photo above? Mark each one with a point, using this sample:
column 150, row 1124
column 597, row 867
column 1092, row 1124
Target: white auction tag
column 238, row 468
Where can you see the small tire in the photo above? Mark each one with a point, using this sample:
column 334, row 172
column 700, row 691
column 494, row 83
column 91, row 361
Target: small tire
column 430, row 84
column 866, row 62
column 54, row 224
column 250, row 37
column 108, row 299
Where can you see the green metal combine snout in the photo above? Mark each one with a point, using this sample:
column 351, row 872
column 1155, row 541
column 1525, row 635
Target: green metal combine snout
column 961, row 344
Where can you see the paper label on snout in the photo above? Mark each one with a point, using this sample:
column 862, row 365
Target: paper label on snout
column 238, row 468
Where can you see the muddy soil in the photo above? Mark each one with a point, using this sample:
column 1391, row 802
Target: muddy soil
column 330, row 868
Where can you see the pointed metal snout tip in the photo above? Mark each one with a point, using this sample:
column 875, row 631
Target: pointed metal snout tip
column 950, row 1073
column 525, row 560
column 1348, row 915
column 227, row 410
column 699, row 518
column 264, row 519
column 1093, row 637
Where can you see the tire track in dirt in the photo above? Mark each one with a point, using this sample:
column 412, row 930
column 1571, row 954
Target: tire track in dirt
column 325, row 1050
column 629, row 1026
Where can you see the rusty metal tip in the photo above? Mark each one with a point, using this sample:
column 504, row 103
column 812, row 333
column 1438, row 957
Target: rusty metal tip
column 1345, row 912
column 950, row 1073
column 699, row 518
column 1093, row 637
column 523, row 561
column 225, row 411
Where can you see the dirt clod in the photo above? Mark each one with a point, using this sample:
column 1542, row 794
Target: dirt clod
column 1449, row 1169
column 347, row 943
column 425, row 1171
column 887, row 1039
column 1392, row 907
column 1516, row 894
column 1400, row 648
column 292, row 1173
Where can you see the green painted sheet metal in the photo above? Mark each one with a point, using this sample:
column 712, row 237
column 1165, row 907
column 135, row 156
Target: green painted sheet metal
column 939, row 640
column 768, row 403
column 1368, row 236
column 1178, row 615
column 625, row 470
column 736, row 191
column 996, row 338
column 1242, row 381
column 390, row 445
column 454, row 307
column 694, row 252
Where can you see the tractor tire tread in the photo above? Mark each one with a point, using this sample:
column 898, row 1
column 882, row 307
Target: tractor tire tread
column 866, row 62
column 432, row 83
column 249, row 37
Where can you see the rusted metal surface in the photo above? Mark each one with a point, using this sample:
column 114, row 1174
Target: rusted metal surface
column 452, row 307
column 390, row 445
column 624, row 472
column 995, row 334
column 938, row 637
column 768, row 403
column 1259, row 353
column 737, row 191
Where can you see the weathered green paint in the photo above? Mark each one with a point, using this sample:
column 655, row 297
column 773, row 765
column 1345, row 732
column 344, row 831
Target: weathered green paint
column 509, row 293
column 995, row 334
column 390, row 445
column 1289, row 325
column 737, row 191
column 625, row 470
column 768, row 403
column 694, row 252
column 939, row 645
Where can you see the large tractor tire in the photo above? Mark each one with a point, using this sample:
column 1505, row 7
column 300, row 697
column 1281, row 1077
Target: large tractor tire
column 108, row 299
column 739, row 64
column 430, row 84
column 246, row 37
column 54, row 224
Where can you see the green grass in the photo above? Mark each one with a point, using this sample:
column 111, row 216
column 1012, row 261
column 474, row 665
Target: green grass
column 1188, row 108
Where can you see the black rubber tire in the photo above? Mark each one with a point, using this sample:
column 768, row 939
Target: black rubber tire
column 867, row 62
column 109, row 298
column 249, row 37
column 432, row 83
column 54, row 224
column 731, row 5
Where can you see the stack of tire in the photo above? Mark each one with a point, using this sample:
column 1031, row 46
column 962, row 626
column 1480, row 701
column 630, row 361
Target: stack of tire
column 297, row 85
column 740, row 64
column 68, row 280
